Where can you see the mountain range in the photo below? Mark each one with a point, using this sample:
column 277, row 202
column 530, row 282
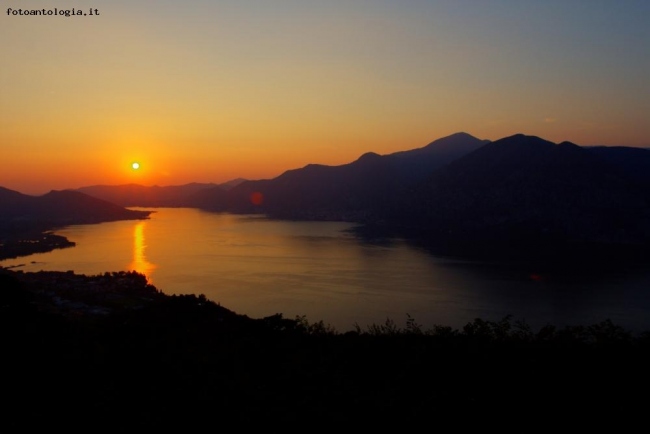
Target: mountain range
column 523, row 190
column 458, row 189
column 462, row 190
column 26, row 221
column 129, row 195
column 58, row 208
column 356, row 191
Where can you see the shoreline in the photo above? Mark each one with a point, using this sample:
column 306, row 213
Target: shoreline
column 130, row 355
column 14, row 246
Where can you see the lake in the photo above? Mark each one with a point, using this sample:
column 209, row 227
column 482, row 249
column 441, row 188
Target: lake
column 260, row 267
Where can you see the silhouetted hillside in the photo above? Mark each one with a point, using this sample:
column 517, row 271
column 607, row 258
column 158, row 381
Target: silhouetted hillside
column 25, row 219
column 232, row 183
column 58, row 208
column 129, row 195
column 9, row 197
column 629, row 163
column 524, row 190
column 417, row 164
column 357, row 191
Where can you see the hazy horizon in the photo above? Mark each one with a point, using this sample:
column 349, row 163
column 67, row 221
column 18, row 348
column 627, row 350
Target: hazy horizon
column 130, row 182
column 225, row 181
column 211, row 91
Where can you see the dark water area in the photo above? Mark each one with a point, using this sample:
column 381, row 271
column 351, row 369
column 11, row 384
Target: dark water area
column 333, row 272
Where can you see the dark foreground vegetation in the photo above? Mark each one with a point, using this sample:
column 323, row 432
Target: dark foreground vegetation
column 112, row 352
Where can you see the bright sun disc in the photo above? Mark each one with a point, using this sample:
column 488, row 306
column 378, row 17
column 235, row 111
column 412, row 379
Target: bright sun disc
column 135, row 166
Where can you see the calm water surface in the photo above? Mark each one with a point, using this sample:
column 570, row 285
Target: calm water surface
column 260, row 267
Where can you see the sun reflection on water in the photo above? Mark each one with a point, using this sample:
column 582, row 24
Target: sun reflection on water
column 140, row 262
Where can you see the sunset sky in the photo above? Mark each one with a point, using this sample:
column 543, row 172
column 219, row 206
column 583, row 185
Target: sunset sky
column 210, row 90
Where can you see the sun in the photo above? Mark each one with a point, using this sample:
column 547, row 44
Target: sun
column 135, row 165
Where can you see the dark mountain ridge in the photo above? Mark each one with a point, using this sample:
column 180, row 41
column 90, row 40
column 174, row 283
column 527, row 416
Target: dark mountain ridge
column 525, row 191
column 630, row 163
column 417, row 164
column 457, row 191
column 60, row 208
column 25, row 221
column 356, row 191
column 129, row 195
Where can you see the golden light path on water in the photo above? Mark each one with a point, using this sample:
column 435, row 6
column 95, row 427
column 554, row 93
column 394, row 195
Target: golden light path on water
column 140, row 262
column 259, row 267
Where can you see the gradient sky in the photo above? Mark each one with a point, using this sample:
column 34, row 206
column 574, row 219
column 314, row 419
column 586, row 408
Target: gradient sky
column 208, row 91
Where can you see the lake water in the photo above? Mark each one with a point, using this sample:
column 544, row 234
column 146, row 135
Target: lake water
column 259, row 267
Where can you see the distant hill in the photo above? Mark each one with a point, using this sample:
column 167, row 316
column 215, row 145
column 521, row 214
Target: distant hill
column 417, row 164
column 522, row 190
column 355, row 191
column 232, row 183
column 629, row 163
column 58, row 208
column 467, row 195
column 458, row 190
column 25, row 221
column 153, row 196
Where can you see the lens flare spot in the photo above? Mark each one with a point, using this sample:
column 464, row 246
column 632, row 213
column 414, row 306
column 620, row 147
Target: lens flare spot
column 257, row 198
column 536, row 277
